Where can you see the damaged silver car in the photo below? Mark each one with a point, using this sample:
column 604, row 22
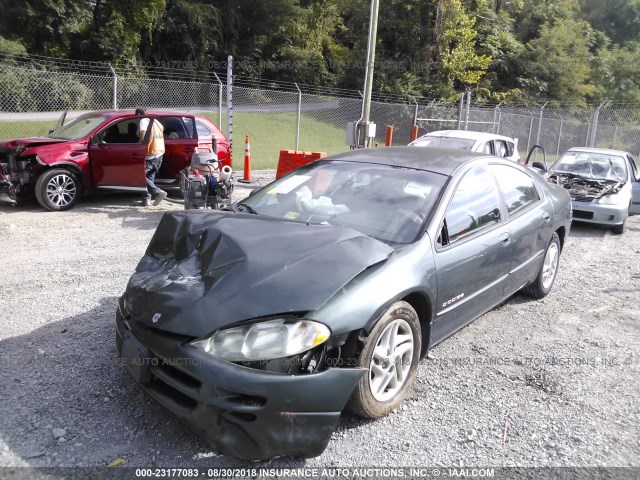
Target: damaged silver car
column 604, row 185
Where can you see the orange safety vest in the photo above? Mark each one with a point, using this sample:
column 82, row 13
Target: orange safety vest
column 156, row 141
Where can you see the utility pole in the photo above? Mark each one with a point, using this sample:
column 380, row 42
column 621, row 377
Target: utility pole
column 366, row 129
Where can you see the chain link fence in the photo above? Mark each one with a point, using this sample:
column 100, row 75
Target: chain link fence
column 284, row 116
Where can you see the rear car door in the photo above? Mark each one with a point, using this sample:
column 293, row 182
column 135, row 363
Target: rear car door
column 530, row 223
column 634, row 209
column 472, row 254
column 117, row 157
column 180, row 142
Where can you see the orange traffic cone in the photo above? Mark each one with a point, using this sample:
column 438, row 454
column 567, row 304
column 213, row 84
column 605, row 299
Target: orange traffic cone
column 246, row 178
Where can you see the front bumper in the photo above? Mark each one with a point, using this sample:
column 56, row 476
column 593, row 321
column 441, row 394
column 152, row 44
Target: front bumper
column 601, row 214
column 243, row 412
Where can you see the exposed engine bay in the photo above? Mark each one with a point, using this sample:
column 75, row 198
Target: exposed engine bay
column 585, row 189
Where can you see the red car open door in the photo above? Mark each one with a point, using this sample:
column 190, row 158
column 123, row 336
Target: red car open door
column 117, row 157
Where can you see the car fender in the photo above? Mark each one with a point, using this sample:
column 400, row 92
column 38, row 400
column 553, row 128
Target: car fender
column 362, row 301
column 68, row 166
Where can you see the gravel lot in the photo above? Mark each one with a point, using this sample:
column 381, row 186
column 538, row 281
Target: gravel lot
column 548, row 383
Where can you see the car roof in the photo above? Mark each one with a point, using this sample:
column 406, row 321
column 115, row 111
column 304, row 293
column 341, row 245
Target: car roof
column 132, row 112
column 469, row 134
column 607, row 151
column 438, row 160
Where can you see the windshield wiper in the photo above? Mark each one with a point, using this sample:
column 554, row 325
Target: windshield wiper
column 247, row 208
column 614, row 171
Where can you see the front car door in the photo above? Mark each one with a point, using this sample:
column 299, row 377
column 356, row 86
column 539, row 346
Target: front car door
column 472, row 254
column 634, row 208
column 530, row 223
column 117, row 157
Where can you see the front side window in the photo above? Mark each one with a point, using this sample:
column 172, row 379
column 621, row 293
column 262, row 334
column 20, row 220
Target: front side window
column 485, row 148
column 518, row 188
column 501, row 149
column 634, row 169
column 388, row 203
column 474, row 206
column 125, row 131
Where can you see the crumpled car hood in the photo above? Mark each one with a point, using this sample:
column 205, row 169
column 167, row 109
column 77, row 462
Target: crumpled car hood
column 205, row 270
column 585, row 189
column 29, row 142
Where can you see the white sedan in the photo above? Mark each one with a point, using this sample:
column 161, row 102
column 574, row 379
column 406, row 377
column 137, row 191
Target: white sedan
column 488, row 143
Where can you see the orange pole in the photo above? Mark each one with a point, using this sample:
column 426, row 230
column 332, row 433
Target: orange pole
column 414, row 132
column 389, row 140
column 246, row 178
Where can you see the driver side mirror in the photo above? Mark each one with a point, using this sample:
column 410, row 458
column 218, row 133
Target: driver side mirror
column 539, row 165
column 95, row 140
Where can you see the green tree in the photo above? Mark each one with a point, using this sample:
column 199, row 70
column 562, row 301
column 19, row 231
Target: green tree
column 120, row 28
column 557, row 64
column 44, row 27
column 616, row 74
column 459, row 65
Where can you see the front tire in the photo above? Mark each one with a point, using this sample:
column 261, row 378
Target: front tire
column 546, row 277
column 58, row 189
column 390, row 355
column 620, row 229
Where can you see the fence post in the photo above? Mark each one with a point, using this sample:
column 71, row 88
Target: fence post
column 460, row 108
column 530, row 132
column 495, row 115
column 540, row 123
column 219, row 100
column 466, row 117
column 115, row 88
column 559, row 135
column 299, row 112
column 415, row 112
column 615, row 134
column 230, row 101
column 594, row 128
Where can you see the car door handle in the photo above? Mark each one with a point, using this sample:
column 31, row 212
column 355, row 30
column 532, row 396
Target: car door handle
column 504, row 239
column 546, row 217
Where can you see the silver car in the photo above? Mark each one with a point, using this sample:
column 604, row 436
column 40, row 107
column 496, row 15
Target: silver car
column 604, row 185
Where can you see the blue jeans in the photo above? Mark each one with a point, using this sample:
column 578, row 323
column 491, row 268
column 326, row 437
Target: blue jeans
column 150, row 169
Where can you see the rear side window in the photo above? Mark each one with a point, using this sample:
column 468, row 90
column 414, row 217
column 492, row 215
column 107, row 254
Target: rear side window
column 474, row 206
column 203, row 130
column 173, row 128
column 518, row 188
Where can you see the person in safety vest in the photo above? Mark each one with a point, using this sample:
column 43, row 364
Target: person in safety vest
column 155, row 151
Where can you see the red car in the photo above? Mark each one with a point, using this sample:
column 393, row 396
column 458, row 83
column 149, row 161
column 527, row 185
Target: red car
column 101, row 150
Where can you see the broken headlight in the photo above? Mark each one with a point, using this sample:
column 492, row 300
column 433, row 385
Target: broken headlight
column 267, row 340
column 611, row 200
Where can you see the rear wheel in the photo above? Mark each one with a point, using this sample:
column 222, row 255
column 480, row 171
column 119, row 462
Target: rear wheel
column 390, row 356
column 58, row 189
column 546, row 277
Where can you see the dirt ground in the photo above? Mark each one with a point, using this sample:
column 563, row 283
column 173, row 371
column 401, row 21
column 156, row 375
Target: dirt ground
column 533, row 383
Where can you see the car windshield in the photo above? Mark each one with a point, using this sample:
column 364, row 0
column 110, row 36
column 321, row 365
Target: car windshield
column 592, row 165
column 445, row 142
column 78, row 127
column 384, row 202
